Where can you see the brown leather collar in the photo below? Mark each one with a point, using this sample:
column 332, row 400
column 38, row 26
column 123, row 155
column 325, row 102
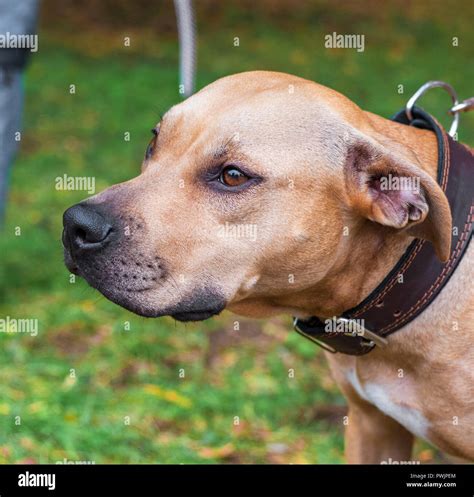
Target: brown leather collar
column 392, row 304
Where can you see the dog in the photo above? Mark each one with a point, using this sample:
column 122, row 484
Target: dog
column 253, row 197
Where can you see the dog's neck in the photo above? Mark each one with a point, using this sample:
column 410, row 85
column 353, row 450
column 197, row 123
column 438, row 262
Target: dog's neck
column 360, row 267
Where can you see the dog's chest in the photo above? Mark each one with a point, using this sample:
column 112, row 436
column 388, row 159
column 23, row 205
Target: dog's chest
column 392, row 402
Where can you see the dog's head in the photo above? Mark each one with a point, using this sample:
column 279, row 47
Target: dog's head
column 244, row 195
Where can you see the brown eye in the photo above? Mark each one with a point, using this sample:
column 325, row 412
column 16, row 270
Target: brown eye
column 151, row 146
column 149, row 149
column 231, row 176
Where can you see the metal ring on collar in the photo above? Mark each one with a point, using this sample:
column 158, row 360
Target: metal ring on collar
column 423, row 89
column 463, row 106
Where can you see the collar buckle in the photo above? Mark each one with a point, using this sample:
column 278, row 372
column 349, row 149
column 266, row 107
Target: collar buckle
column 312, row 338
column 363, row 332
column 316, row 332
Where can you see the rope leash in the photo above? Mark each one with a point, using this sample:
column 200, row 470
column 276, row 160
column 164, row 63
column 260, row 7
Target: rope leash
column 187, row 46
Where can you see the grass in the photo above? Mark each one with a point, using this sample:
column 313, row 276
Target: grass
column 100, row 384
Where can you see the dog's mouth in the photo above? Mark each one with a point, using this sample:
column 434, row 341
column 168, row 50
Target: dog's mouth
column 188, row 309
column 140, row 290
column 196, row 315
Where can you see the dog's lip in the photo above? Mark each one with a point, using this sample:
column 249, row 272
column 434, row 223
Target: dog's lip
column 195, row 315
column 73, row 268
column 124, row 297
column 69, row 263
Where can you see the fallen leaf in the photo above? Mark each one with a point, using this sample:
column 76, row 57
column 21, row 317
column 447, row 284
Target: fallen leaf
column 217, row 452
column 169, row 395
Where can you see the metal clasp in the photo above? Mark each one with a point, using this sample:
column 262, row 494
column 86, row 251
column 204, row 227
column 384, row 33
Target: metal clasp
column 464, row 106
column 323, row 345
column 361, row 331
column 436, row 84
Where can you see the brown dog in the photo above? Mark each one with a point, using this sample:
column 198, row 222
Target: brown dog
column 252, row 198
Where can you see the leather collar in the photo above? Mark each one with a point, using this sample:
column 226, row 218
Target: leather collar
column 392, row 305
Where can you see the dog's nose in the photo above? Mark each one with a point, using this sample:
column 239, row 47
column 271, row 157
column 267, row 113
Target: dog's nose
column 85, row 228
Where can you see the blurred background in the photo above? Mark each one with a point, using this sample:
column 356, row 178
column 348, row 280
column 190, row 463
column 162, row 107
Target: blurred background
column 98, row 384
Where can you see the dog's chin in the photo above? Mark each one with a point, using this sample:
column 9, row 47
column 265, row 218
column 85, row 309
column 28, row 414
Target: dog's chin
column 199, row 305
column 182, row 311
column 198, row 315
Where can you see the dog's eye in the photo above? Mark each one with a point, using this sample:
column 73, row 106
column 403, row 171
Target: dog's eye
column 231, row 176
column 151, row 145
column 149, row 149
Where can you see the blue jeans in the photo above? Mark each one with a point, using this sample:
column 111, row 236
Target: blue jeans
column 11, row 103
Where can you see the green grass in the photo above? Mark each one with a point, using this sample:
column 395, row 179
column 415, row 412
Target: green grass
column 86, row 388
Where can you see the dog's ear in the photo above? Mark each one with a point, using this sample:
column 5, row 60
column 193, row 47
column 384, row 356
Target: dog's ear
column 388, row 189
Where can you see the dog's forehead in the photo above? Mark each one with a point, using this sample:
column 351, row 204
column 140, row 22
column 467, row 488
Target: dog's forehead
column 231, row 98
column 280, row 107
column 271, row 117
column 216, row 109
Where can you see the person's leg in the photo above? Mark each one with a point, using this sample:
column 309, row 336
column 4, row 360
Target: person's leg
column 11, row 100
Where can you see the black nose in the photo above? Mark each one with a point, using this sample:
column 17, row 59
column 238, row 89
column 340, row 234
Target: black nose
column 85, row 228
